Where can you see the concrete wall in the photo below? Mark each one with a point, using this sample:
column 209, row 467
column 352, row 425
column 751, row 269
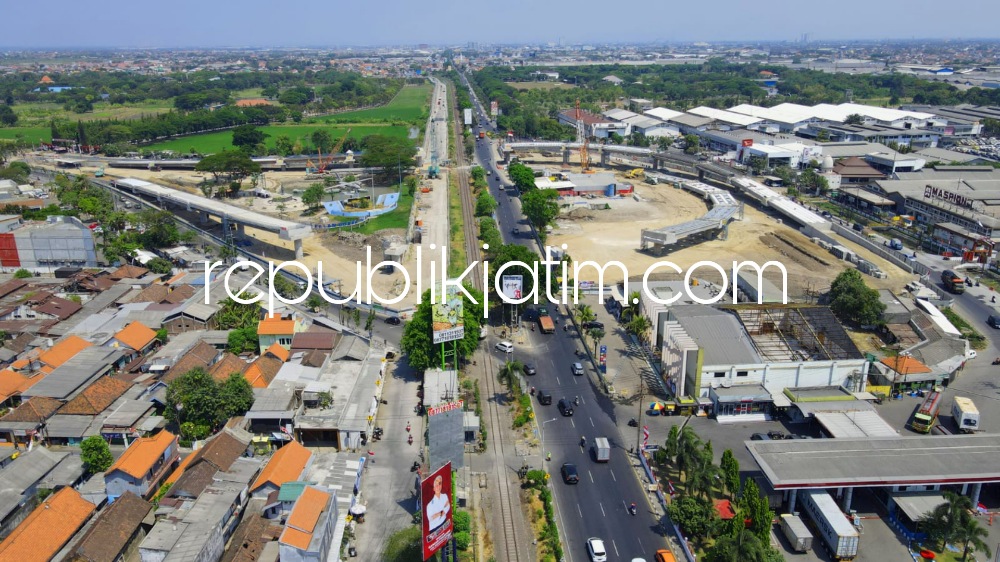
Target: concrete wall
column 776, row 377
column 117, row 483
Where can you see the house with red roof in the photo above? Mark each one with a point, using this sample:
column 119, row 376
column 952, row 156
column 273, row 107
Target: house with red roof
column 48, row 528
column 287, row 464
column 142, row 466
column 309, row 530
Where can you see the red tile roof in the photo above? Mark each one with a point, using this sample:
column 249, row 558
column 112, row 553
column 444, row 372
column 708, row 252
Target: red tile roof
column 97, row 397
column 13, row 384
column 63, row 351
column 228, row 365
column 35, row 410
column 48, row 528
column 128, row 272
column 305, row 515
column 142, row 454
column 262, row 371
column 275, row 325
column 112, row 529
column 278, row 351
column 285, row 465
column 136, row 336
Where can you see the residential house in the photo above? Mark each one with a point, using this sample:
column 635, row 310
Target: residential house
column 49, row 527
column 19, row 483
column 135, row 339
column 116, row 533
column 12, row 385
column 286, row 465
column 198, row 470
column 194, row 315
column 280, row 329
column 23, row 423
column 128, row 272
column 78, row 418
column 201, row 356
column 76, row 374
column 163, row 294
column 228, row 365
column 142, row 466
column 315, row 339
column 308, row 534
column 263, row 370
column 48, row 360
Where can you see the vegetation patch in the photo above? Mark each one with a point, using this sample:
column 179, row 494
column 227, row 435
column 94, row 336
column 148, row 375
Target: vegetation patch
column 410, row 106
column 209, row 143
column 976, row 339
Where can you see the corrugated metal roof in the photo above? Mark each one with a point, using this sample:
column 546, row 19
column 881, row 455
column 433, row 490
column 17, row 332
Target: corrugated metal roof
column 855, row 424
column 719, row 334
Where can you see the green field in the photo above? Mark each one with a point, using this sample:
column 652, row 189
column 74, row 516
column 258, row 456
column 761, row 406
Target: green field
column 399, row 218
column 43, row 112
column 215, row 142
column 30, row 134
column 409, row 105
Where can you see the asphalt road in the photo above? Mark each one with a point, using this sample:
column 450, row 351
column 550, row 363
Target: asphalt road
column 597, row 506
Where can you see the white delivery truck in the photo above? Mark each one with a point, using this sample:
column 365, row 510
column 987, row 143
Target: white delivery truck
column 602, row 449
column 796, row 532
column 966, row 414
column 839, row 535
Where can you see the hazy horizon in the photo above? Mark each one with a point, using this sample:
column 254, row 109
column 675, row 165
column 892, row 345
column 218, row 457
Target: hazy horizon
column 255, row 24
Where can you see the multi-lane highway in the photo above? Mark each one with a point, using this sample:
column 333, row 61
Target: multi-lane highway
column 597, row 506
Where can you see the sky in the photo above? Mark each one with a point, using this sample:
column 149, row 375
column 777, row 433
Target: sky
column 60, row 24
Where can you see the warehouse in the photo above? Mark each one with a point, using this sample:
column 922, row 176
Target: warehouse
column 45, row 246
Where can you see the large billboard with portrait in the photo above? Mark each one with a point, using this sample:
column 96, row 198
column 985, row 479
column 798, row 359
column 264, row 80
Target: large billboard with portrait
column 436, row 512
column 447, row 318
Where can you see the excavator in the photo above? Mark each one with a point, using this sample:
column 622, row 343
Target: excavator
column 635, row 173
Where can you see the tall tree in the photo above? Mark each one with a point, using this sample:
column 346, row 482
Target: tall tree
column 540, row 206
column 95, row 454
column 854, row 301
column 248, row 136
column 730, row 472
column 972, row 536
column 321, row 139
column 743, row 546
column 417, row 340
column 672, row 444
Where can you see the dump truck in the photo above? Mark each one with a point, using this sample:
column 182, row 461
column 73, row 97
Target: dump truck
column 838, row 534
column 952, row 282
column 546, row 325
column 602, row 449
column 796, row 532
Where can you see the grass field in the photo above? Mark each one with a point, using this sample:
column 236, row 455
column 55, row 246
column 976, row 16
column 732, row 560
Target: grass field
column 409, row 105
column 399, row 218
column 215, row 142
column 42, row 112
column 538, row 85
column 248, row 93
column 30, row 134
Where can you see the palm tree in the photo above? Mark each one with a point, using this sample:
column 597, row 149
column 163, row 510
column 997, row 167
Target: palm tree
column 631, row 309
column 942, row 523
column 673, row 442
column 741, row 547
column 506, row 373
column 688, row 447
column 585, row 314
column 971, row 536
column 701, row 475
column 639, row 326
column 597, row 335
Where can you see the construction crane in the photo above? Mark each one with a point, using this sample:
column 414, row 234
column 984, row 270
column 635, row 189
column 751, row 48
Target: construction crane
column 581, row 137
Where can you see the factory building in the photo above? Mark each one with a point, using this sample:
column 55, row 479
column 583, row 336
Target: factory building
column 45, row 246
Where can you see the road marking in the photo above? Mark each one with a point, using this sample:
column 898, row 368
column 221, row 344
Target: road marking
column 642, row 548
column 613, row 477
column 602, row 509
column 591, row 474
column 616, row 547
column 580, row 511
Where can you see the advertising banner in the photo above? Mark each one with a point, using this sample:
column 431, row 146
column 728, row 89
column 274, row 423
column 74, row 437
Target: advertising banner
column 468, row 116
column 512, row 286
column 447, row 318
column 435, row 504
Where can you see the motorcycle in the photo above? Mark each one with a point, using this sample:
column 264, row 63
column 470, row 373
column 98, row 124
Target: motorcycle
column 409, row 440
column 633, row 423
column 415, row 467
column 996, row 361
column 633, row 509
column 407, row 427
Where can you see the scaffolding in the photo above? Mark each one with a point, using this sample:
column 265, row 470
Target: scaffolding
column 795, row 332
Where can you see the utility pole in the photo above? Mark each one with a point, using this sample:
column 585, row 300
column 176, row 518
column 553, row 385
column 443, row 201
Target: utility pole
column 638, row 425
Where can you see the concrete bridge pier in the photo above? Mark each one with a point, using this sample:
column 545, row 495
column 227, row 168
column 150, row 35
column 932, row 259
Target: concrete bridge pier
column 241, row 230
column 792, row 495
column 848, row 495
column 298, row 249
column 605, row 157
column 977, row 488
column 203, row 217
column 566, row 153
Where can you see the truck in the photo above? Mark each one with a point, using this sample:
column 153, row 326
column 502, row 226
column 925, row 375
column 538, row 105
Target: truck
column 796, row 532
column 545, row 323
column 482, row 134
column 838, row 534
column 602, row 449
column 952, row 282
column 895, row 244
column 927, row 415
column 966, row 414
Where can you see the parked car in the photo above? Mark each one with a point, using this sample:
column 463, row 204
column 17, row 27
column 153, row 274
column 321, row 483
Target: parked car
column 577, row 369
column 776, row 434
column 504, row 347
column 565, row 407
column 393, row 320
column 760, row 437
column 544, row 398
column 994, row 321
column 595, row 547
column 529, row 370
column 570, row 474
column 593, row 324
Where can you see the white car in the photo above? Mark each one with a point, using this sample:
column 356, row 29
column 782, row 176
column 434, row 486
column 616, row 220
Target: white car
column 595, row 547
column 971, row 354
column 504, row 347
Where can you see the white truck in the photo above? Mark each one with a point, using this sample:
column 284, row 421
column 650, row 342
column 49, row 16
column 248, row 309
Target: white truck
column 966, row 415
column 602, row 449
column 796, row 532
column 839, row 535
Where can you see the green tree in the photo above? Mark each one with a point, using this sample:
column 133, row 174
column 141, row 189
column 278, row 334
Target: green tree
column 854, row 119
column 743, row 546
column 688, row 450
column 854, row 301
column 615, row 138
column 972, row 537
column 243, row 340
column 522, row 176
column 370, row 322
column 672, row 445
column 313, row 195
column 234, row 164
column 485, row 204
column 730, row 472
column 418, row 344
column 315, row 302
column 596, row 335
column 247, row 137
column 756, row 509
column 696, row 516
column 540, row 206
column 234, row 315
column 7, row 116
column 162, row 335
column 508, row 371
column 194, row 397
column 236, row 395
column 23, row 274
column 160, row 265
column 95, row 454
column 283, row 145
column 693, row 144
column 639, row 326
column 391, row 154
column 943, row 522
column 321, row 139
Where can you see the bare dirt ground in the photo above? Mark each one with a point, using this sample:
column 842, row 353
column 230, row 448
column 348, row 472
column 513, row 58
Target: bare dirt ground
column 614, row 234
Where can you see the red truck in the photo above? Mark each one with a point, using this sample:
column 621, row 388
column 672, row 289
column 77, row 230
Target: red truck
column 545, row 323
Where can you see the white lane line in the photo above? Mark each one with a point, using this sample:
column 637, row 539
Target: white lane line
column 613, row 477
column 616, row 547
column 580, row 511
column 591, row 474
column 602, row 509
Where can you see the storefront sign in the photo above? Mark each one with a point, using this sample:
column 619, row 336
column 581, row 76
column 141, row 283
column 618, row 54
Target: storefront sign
column 944, row 195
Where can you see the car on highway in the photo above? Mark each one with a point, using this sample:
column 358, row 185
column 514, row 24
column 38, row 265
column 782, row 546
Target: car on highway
column 994, row 321
column 664, row 555
column 544, row 398
column 595, row 547
column 577, row 369
column 393, row 320
column 504, row 347
column 565, row 407
column 570, row 474
column 529, row 370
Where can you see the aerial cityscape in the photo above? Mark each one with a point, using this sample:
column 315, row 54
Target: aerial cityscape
column 474, row 286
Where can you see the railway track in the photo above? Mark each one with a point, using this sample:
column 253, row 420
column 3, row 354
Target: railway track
column 507, row 499
column 469, row 223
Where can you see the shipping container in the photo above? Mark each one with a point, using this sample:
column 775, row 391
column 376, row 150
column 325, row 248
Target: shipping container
column 838, row 534
column 796, row 532
column 966, row 414
column 602, row 449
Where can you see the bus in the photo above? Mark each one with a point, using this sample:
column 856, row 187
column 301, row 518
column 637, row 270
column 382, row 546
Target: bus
column 927, row 415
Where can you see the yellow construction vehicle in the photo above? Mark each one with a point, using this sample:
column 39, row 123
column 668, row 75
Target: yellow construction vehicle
column 636, row 173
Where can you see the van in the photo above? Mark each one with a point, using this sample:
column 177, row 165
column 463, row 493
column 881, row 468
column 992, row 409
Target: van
column 895, row 244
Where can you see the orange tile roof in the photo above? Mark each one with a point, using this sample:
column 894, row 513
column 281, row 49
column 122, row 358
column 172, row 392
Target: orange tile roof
column 136, row 335
column 63, row 351
column 228, row 365
column 97, row 397
column 262, row 371
column 905, row 365
column 48, row 528
column 275, row 325
column 278, row 351
column 179, row 471
column 305, row 515
column 252, row 102
column 285, row 465
column 12, row 383
column 142, row 454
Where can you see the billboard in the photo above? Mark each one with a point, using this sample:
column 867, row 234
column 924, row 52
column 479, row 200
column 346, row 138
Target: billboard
column 468, row 116
column 494, row 108
column 512, row 286
column 446, row 434
column 435, row 502
column 447, row 318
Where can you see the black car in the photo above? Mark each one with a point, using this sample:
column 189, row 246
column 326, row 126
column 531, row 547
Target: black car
column 760, row 437
column 529, row 370
column 776, row 434
column 993, row 321
column 593, row 324
column 569, row 474
column 565, row 407
column 544, row 398
column 393, row 320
